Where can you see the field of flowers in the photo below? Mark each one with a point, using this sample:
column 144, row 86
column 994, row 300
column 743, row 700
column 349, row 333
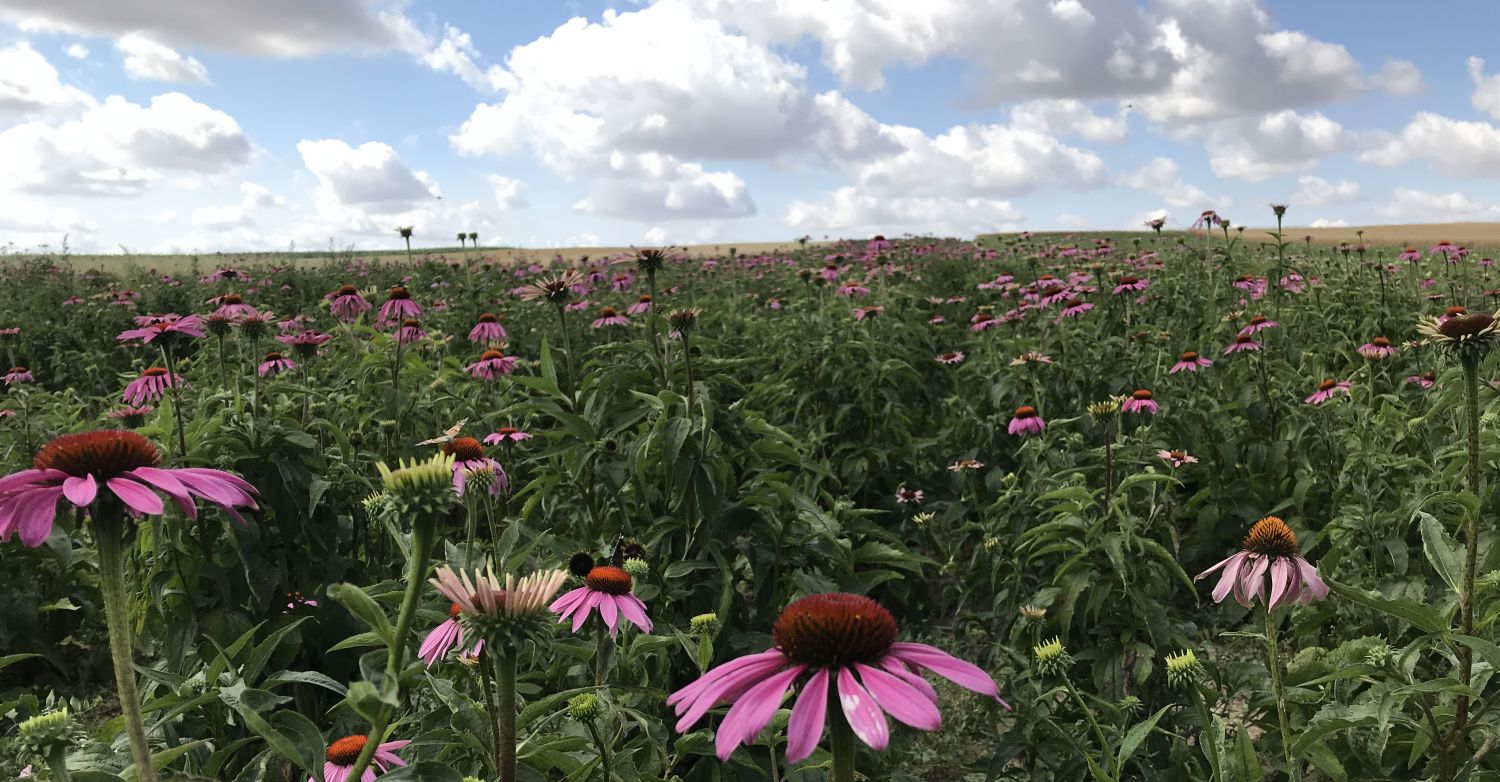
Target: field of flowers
column 1157, row 506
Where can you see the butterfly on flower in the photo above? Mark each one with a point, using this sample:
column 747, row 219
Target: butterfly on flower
column 447, row 436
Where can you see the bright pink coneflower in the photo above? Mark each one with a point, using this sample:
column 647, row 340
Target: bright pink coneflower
column 493, row 363
column 1140, row 402
column 488, row 329
column 410, row 331
column 848, row 645
column 1410, row 254
column 1131, row 284
column 1377, row 348
column 1176, row 458
column 231, row 306
column 853, row 288
column 1258, row 324
column 1189, row 361
column 951, row 357
column 163, row 327
column 1270, row 546
column 132, row 417
column 218, row 275
column 1072, row 308
column 1425, row 380
column 73, row 467
column 304, row 343
column 443, row 638
column 609, row 316
column 830, row 272
column 274, row 364
column 18, row 375
column 506, row 434
column 982, row 321
column 608, row 589
column 343, row 753
column 346, row 304
column 861, row 313
column 150, row 386
column 398, row 307
column 1326, row 391
column 1242, row 343
column 909, row 496
column 469, row 458
column 1026, row 422
column 640, row 307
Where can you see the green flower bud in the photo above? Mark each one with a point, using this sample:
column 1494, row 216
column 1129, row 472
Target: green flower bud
column 705, row 624
column 1051, row 657
column 584, row 707
column 1183, row 668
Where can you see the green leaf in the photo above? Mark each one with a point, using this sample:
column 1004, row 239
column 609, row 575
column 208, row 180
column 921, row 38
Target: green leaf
column 367, row 700
column 363, row 606
column 424, row 771
column 1136, row 735
column 1419, row 615
column 160, row 760
column 11, row 659
column 250, row 704
column 1443, row 552
column 1327, row 762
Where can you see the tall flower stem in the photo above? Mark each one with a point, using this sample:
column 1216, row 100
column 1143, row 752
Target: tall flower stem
column 1093, row 723
column 604, row 750
column 1273, row 659
column 604, row 651
column 396, row 394
column 1471, row 534
column 562, row 323
column 109, row 537
column 422, row 533
column 57, row 761
column 505, row 705
column 656, row 342
column 687, row 361
column 489, row 706
column 841, row 738
column 1207, row 724
column 176, row 386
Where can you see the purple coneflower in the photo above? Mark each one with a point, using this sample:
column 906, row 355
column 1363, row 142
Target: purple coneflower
column 1176, row 458
column 469, row 457
column 951, row 357
column 1030, row 357
column 343, row 753
column 853, row 288
column 861, row 313
column 1242, row 343
column 398, row 307
column 1270, row 546
column 1140, row 402
column 304, row 343
column 1425, row 380
column 609, row 316
column 155, row 327
column 488, row 329
column 1131, row 283
column 1189, row 361
column 1075, row 307
column 1326, row 391
column 18, row 375
column 410, row 331
column 493, row 363
column 909, row 496
column 1410, row 254
column 346, row 304
column 965, row 464
column 275, row 364
column 1026, row 422
column 506, row 434
column 1258, row 324
column 608, row 589
column 641, row 306
column 1377, row 348
column 150, row 386
column 848, row 645
column 73, row 467
column 132, row 417
column 982, row 321
column 231, row 306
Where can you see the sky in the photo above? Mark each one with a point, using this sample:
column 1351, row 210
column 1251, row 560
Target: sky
column 224, row 125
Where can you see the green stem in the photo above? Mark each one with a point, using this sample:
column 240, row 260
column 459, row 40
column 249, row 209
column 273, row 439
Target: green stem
column 562, row 322
column 1274, row 660
column 687, row 361
column 656, row 341
column 489, row 706
column 57, row 760
column 1093, row 724
column 176, row 401
column 1471, row 542
column 416, row 569
column 109, row 537
column 604, row 651
column 1207, row 725
column 841, row 742
column 505, row 704
column 603, row 750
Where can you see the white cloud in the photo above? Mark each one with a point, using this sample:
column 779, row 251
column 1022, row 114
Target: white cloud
column 1071, row 222
column 852, row 212
column 253, row 197
column 77, row 51
column 30, row 85
column 455, row 53
column 1486, row 95
column 651, row 186
column 1416, row 206
column 1276, row 144
column 1315, row 191
column 1323, row 222
column 1399, row 77
column 656, row 235
column 1454, row 147
column 371, row 173
column 1162, row 177
column 979, row 160
column 147, row 59
column 1067, row 117
column 119, row 147
column 507, row 192
column 279, row 28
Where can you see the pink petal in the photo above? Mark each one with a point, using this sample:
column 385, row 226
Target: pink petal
column 1231, row 575
column 438, row 642
column 712, row 675
column 753, row 711
column 964, row 674
column 864, row 716
column 609, row 612
column 897, row 668
column 899, row 699
column 1279, row 581
column 34, row 518
column 1252, row 581
column 634, row 610
column 564, row 604
column 808, row 715
column 585, row 608
column 136, row 496
column 80, row 491
column 1314, row 584
column 725, row 687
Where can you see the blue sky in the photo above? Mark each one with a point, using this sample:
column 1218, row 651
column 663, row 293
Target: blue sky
column 180, row 125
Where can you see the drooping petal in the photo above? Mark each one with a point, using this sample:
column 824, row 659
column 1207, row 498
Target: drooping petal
column 438, row 642
column 80, row 491
column 864, row 716
column 1279, row 581
column 899, row 699
column 963, row 673
column 899, row 669
column 332, row 772
column 808, row 715
column 1231, row 577
column 634, row 610
column 726, row 687
column 164, row 480
column 585, row 608
column 712, row 675
column 1252, row 583
column 34, row 518
column 565, row 604
column 609, row 611
column 753, row 711
column 1313, row 586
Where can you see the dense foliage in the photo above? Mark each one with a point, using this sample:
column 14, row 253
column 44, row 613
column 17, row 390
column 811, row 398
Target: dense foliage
column 842, row 418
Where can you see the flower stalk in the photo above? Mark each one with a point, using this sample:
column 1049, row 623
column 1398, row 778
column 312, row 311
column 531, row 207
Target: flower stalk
column 109, row 537
column 1273, row 659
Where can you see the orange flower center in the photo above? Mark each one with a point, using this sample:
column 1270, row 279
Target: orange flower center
column 348, row 290
column 1141, row 394
column 488, row 317
column 1326, row 384
column 346, row 750
column 1461, row 326
column 609, row 580
column 1025, row 411
column 491, row 355
column 105, row 453
column 1188, row 355
column 398, row 292
column 465, row 449
column 834, row 629
column 1271, row 537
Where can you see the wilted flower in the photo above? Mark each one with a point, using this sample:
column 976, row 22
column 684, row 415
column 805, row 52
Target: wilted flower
column 1270, row 546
